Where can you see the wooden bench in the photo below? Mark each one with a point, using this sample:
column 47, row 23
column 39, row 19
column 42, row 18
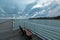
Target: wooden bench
column 26, row 32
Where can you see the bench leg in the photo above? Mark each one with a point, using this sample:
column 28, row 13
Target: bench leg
column 29, row 37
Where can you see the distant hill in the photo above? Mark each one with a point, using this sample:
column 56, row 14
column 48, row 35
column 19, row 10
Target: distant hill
column 58, row 17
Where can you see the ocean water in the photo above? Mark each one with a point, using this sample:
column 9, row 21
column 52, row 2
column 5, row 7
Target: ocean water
column 52, row 23
column 17, row 22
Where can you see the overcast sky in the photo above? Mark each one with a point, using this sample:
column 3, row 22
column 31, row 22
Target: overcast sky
column 22, row 4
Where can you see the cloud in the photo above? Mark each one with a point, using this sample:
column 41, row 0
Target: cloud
column 2, row 10
column 36, row 13
column 42, row 3
column 54, row 12
column 39, row 13
column 42, row 12
column 58, row 1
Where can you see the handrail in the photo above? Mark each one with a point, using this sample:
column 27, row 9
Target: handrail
column 5, row 21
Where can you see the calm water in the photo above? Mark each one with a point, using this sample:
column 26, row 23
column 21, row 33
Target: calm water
column 17, row 22
column 55, row 23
